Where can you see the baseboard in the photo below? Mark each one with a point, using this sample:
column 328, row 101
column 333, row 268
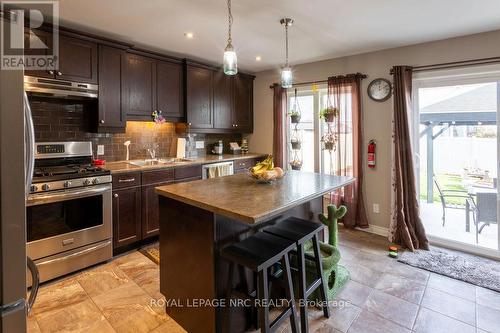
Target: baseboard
column 375, row 229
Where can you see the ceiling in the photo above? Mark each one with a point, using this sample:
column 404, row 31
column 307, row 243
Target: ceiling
column 323, row 29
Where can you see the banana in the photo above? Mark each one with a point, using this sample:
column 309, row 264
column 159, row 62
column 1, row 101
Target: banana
column 263, row 166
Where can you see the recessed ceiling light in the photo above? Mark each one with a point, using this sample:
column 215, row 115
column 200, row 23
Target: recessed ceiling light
column 189, row 35
column 258, row 58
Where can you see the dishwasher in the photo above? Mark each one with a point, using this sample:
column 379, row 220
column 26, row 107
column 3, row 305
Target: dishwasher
column 215, row 170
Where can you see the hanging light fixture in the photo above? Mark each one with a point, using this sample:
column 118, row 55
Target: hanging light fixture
column 230, row 60
column 286, row 71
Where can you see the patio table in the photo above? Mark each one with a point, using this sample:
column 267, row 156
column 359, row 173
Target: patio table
column 473, row 191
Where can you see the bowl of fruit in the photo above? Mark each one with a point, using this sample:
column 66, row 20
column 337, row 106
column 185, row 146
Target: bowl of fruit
column 266, row 172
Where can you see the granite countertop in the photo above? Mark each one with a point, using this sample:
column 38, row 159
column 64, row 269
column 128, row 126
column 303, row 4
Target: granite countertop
column 240, row 197
column 123, row 166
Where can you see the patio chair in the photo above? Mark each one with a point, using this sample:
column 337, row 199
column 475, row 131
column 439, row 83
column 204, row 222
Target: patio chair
column 445, row 194
column 484, row 211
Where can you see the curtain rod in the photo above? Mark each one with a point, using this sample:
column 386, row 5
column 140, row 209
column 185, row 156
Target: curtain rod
column 455, row 64
column 301, row 83
column 363, row 76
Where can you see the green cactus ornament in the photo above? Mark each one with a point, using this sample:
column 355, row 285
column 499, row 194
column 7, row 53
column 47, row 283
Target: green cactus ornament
column 334, row 274
column 334, row 214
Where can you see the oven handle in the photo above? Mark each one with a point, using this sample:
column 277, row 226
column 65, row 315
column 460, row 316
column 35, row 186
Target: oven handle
column 76, row 254
column 56, row 196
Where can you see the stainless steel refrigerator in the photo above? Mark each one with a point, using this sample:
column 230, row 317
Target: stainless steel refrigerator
column 16, row 171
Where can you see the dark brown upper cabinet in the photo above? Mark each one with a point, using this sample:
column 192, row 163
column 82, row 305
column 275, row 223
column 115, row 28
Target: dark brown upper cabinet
column 243, row 103
column 153, row 85
column 223, row 101
column 77, row 60
column 217, row 103
column 169, row 93
column 139, row 88
column 199, row 97
column 111, row 63
column 233, row 102
column 45, row 38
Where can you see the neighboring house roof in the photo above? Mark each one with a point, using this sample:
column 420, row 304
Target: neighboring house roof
column 481, row 99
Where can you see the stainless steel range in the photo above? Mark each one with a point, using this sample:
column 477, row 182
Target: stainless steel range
column 69, row 209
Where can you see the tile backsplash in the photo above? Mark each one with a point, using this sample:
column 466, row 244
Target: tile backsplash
column 65, row 120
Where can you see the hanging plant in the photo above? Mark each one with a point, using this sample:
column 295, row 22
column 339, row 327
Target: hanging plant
column 295, row 116
column 296, row 145
column 295, row 111
column 296, row 164
column 296, row 139
column 329, row 140
column 157, row 117
column 329, row 114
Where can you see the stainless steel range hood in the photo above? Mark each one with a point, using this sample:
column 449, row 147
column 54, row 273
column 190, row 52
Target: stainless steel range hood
column 59, row 88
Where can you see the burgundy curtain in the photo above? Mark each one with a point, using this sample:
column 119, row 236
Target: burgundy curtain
column 406, row 227
column 279, row 107
column 344, row 93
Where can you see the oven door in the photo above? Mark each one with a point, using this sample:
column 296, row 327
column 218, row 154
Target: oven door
column 64, row 220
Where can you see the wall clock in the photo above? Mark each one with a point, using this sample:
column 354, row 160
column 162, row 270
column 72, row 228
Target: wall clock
column 380, row 90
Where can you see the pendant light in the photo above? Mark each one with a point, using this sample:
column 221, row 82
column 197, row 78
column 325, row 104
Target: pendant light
column 286, row 71
column 230, row 60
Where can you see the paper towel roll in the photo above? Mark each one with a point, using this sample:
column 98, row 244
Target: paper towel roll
column 181, row 148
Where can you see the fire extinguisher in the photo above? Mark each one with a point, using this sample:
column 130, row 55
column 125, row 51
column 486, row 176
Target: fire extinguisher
column 371, row 153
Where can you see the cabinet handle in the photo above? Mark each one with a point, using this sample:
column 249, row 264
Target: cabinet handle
column 102, row 121
column 51, row 72
column 126, row 180
column 59, row 73
column 235, row 125
column 189, row 124
column 115, row 195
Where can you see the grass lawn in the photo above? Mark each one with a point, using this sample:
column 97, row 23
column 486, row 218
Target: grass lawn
column 447, row 182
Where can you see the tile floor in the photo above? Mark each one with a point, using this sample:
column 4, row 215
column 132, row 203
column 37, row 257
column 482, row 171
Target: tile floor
column 383, row 296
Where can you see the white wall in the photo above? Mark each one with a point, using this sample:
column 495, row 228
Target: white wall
column 377, row 116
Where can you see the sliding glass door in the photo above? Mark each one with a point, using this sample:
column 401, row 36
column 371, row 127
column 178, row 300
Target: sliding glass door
column 456, row 157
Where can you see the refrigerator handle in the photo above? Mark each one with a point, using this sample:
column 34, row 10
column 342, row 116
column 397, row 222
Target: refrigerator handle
column 35, row 283
column 30, row 143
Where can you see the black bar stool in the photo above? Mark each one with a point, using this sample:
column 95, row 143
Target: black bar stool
column 300, row 231
column 258, row 253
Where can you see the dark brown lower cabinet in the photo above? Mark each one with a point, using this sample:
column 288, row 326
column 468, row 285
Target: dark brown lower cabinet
column 126, row 216
column 150, row 206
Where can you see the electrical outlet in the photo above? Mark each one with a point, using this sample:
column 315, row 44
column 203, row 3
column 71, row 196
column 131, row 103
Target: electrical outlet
column 200, row 144
column 376, row 208
column 100, row 149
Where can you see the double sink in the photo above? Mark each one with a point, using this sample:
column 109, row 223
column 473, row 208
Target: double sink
column 159, row 161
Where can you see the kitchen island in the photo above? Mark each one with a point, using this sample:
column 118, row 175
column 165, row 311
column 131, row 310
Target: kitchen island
column 199, row 218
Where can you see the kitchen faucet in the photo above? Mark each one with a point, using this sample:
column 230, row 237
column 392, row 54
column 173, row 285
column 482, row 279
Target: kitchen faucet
column 127, row 144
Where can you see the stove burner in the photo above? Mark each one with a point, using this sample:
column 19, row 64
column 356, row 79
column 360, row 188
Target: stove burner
column 67, row 172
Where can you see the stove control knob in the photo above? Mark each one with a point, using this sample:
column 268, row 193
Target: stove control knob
column 33, row 188
column 86, row 182
column 67, row 184
column 95, row 181
column 45, row 187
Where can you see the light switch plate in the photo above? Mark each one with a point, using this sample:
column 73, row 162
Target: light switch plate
column 200, row 144
column 100, row 149
column 376, row 208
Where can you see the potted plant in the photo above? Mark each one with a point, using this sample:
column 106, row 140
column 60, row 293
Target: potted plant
column 296, row 144
column 295, row 116
column 296, row 164
column 329, row 140
column 329, row 114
